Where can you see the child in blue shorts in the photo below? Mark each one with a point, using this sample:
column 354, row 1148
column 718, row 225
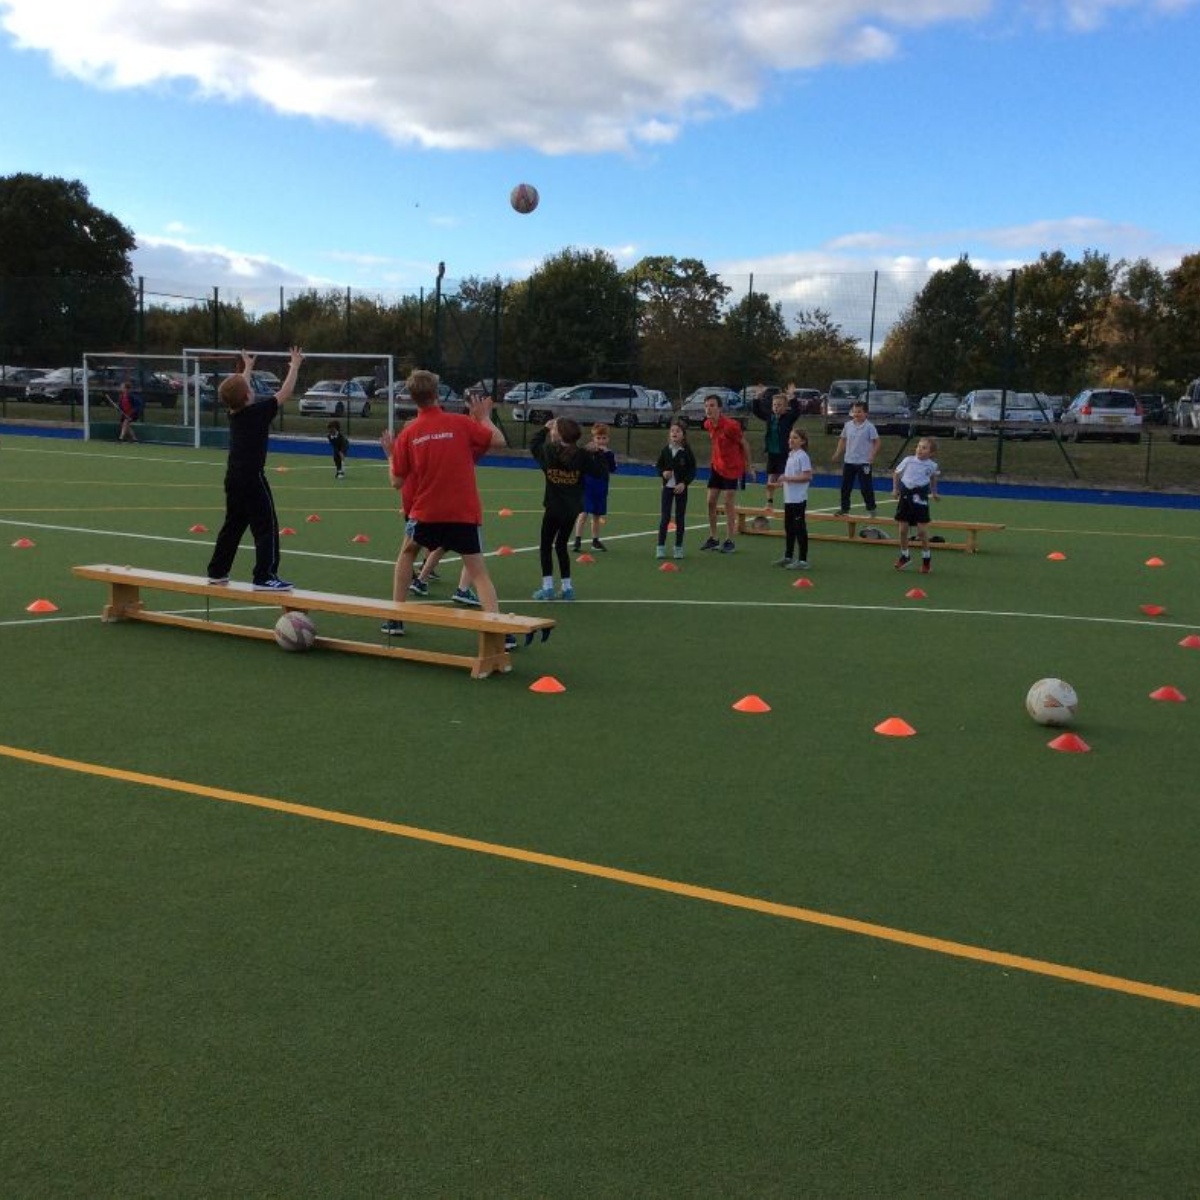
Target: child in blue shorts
column 595, row 489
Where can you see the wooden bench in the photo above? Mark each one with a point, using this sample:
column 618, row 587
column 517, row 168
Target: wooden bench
column 125, row 585
column 852, row 522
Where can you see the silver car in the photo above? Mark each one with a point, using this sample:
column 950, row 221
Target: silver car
column 617, row 404
column 1110, row 414
column 1025, row 414
column 733, row 404
column 335, row 398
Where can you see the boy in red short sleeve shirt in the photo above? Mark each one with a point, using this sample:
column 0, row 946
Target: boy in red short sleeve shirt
column 730, row 463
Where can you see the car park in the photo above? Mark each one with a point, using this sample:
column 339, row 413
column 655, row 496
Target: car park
column 403, row 404
column 63, row 385
column 1107, row 414
column 984, row 412
column 1155, row 409
column 497, row 389
column 620, row 404
column 888, row 411
column 733, row 404
column 838, row 398
column 935, row 415
column 809, row 400
column 523, row 393
column 335, row 398
column 369, row 383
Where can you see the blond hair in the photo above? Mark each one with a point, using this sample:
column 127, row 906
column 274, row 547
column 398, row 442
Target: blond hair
column 423, row 388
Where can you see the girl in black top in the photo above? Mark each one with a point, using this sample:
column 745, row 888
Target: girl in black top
column 677, row 466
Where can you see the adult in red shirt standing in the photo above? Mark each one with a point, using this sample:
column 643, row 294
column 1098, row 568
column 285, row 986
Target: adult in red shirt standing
column 730, row 465
column 432, row 463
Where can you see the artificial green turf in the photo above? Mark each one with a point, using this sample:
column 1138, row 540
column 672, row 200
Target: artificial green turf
column 207, row 999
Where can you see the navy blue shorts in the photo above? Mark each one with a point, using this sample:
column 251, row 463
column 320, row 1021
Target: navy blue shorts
column 447, row 535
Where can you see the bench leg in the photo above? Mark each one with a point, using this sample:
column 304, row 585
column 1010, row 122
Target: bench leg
column 492, row 655
column 123, row 598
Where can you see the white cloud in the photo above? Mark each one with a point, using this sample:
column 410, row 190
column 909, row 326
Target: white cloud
column 171, row 262
column 569, row 76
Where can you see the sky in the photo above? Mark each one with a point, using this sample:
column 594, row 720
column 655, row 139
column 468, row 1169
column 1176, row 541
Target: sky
column 359, row 143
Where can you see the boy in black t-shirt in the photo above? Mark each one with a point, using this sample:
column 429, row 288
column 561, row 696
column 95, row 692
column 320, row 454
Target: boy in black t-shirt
column 248, row 500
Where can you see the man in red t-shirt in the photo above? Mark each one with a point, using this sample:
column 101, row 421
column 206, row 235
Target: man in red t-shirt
column 730, row 463
column 432, row 463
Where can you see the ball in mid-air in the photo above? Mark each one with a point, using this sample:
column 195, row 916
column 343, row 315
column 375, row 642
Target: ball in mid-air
column 295, row 631
column 524, row 198
column 1052, row 702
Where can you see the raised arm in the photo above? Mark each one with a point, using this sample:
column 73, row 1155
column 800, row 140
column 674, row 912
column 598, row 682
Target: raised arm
column 289, row 380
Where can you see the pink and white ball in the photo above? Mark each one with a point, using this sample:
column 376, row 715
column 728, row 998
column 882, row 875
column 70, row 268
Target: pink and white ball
column 524, row 198
column 1052, row 702
column 295, row 631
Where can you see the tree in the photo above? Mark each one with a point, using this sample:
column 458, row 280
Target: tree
column 819, row 352
column 1182, row 334
column 581, row 316
column 754, row 338
column 65, row 276
column 1132, row 339
column 679, row 320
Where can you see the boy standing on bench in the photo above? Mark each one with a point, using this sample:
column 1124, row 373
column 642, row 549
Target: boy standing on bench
column 248, row 500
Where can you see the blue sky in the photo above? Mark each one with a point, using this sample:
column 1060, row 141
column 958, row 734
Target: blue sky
column 360, row 143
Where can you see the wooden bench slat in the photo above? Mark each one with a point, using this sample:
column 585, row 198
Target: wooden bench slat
column 852, row 521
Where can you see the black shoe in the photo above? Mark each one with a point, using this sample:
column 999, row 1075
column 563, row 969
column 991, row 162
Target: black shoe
column 711, row 544
column 597, row 544
column 392, row 628
column 577, row 545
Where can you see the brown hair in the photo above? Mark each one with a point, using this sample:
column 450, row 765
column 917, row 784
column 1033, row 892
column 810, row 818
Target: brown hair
column 234, row 392
column 423, row 388
column 568, row 430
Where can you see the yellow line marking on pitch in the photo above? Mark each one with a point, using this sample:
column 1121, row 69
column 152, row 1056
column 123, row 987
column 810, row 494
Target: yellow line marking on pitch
column 918, row 941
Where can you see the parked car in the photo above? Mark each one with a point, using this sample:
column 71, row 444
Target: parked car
column 63, row 385
column 840, row 395
column 14, row 380
column 335, row 398
column 1111, row 414
column 525, row 392
column 403, row 404
column 888, row 411
column 146, row 385
column 483, row 387
column 936, row 415
column 1024, row 414
column 618, row 404
column 808, row 399
column 733, row 404
column 1155, row 409
column 370, row 384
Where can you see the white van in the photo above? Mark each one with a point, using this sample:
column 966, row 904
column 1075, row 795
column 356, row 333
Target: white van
column 617, row 404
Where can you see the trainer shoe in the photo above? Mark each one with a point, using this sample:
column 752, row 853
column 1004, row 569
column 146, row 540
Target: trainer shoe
column 433, row 574
column 577, row 545
column 782, row 562
column 419, row 587
column 597, row 544
column 568, row 593
column 217, row 579
column 902, row 562
column 871, row 512
column 466, row 597
column 392, row 628
column 510, row 641
column 678, row 551
column 340, row 475
column 711, row 544
column 841, row 512
column 660, row 552
column 544, row 593
column 274, row 584
column 727, row 547
column 926, row 566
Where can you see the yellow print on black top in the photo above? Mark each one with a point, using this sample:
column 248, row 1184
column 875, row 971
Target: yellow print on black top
column 563, row 476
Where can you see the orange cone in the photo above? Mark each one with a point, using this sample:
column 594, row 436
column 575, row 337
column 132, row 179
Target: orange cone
column 360, row 538
column 752, row 704
column 1155, row 562
column 1056, row 556
column 198, row 529
column 585, row 558
column 1191, row 642
column 287, row 531
column 547, row 686
column 312, row 519
column 1153, row 610
column 915, row 594
column 505, row 512
column 1174, row 695
column 506, row 550
column 23, row 544
column 803, row 582
column 1069, row 743
column 668, row 567
column 41, row 606
column 895, row 727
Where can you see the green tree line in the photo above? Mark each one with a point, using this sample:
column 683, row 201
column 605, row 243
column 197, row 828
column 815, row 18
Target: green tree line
column 66, row 286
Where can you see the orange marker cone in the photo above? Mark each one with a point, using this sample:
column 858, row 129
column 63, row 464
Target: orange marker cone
column 287, row 531
column 1056, row 556
column 506, row 550
column 505, row 512
column 1155, row 562
column 312, row 519
column 1153, row 610
column 23, row 544
column 1174, row 695
column 1191, row 642
column 668, row 567
column 198, row 529
column 803, row 582
column 895, row 727
column 752, row 704
column 547, row 686
column 585, row 558
column 360, row 538
column 915, row 594
column 1069, row 743
column 41, row 606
